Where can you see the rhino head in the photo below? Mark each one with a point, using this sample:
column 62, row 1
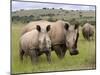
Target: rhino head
column 72, row 35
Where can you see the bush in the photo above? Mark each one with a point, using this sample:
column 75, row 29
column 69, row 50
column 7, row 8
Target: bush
column 52, row 19
column 73, row 21
column 82, row 22
column 25, row 19
column 92, row 22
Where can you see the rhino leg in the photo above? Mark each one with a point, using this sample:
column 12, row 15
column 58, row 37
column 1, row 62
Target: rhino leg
column 85, row 35
column 58, row 51
column 40, row 53
column 88, row 37
column 63, row 50
column 34, row 56
column 63, row 53
column 48, row 55
column 21, row 54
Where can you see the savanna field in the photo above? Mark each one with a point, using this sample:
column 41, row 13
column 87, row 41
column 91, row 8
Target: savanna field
column 84, row 60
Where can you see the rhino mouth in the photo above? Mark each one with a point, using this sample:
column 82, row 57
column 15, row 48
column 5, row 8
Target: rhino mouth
column 74, row 52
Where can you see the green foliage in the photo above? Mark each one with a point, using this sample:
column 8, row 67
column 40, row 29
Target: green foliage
column 85, row 59
column 25, row 16
column 51, row 19
column 25, row 19
column 72, row 21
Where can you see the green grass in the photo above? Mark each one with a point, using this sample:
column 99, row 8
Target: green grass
column 85, row 59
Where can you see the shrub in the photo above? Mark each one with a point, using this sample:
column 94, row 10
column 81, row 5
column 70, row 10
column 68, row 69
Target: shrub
column 52, row 19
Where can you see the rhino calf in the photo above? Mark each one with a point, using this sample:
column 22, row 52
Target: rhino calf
column 88, row 31
column 35, row 42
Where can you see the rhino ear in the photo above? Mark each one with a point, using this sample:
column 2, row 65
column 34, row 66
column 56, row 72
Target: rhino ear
column 48, row 28
column 38, row 28
column 76, row 26
column 66, row 26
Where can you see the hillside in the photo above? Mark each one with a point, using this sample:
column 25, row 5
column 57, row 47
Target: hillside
column 53, row 15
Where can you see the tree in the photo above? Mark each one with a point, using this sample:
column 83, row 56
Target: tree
column 44, row 8
column 21, row 9
column 53, row 8
column 80, row 14
column 61, row 8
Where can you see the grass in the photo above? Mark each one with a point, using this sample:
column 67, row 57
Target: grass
column 85, row 59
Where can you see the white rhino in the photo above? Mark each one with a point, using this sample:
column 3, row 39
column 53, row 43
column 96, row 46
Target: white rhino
column 88, row 31
column 35, row 42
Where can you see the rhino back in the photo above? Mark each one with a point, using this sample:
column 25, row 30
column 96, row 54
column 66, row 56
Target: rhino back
column 88, row 27
column 57, row 33
column 29, row 40
column 32, row 25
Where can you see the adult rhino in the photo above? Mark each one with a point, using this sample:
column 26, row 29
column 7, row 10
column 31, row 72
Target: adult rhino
column 72, row 35
column 88, row 31
column 35, row 42
column 64, row 36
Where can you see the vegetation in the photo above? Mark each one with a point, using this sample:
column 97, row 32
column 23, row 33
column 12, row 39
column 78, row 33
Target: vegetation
column 24, row 16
